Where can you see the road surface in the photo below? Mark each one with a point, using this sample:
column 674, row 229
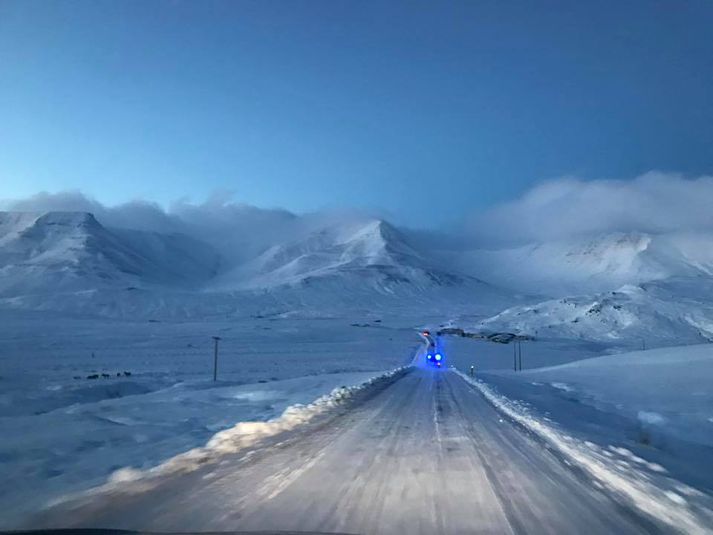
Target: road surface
column 426, row 454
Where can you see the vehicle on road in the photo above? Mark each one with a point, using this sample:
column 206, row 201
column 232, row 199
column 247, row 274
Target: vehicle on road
column 434, row 358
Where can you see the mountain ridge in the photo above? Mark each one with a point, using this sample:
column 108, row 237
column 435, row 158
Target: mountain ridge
column 593, row 263
column 54, row 251
column 622, row 281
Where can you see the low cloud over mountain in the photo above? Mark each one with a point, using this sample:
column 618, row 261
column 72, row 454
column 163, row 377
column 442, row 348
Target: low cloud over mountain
column 653, row 203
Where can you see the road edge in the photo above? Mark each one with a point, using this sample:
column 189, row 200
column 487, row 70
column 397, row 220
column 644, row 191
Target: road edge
column 633, row 487
column 242, row 437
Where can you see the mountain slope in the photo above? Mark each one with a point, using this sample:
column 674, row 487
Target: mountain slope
column 593, row 264
column 357, row 265
column 653, row 314
column 367, row 252
column 72, row 251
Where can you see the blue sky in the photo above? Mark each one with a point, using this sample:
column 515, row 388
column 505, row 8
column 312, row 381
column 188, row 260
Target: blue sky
column 429, row 111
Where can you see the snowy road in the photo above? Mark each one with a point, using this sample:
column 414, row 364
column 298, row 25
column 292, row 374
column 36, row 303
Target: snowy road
column 426, row 454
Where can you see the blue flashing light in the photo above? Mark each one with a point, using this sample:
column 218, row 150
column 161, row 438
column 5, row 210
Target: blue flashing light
column 438, row 357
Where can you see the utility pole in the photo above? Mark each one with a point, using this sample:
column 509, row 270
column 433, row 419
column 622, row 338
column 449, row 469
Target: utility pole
column 519, row 353
column 514, row 355
column 215, row 357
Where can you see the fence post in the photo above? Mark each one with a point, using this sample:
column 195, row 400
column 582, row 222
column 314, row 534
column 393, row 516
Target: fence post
column 215, row 358
column 519, row 351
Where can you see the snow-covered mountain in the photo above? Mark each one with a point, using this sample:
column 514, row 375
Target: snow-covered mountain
column 370, row 251
column 650, row 314
column 593, row 264
column 357, row 264
column 69, row 261
column 615, row 288
column 621, row 289
column 71, row 251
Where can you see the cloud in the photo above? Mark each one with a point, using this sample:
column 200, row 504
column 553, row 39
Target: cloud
column 238, row 231
column 557, row 209
column 139, row 215
column 568, row 207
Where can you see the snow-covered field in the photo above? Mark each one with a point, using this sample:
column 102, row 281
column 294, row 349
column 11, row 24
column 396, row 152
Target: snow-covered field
column 645, row 485
column 666, row 390
column 63, row 432
column 656, row 403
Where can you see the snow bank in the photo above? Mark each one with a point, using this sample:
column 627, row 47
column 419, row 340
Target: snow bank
column 663, row 499
column 668, row 391
column 63, row 433
column 230, row 441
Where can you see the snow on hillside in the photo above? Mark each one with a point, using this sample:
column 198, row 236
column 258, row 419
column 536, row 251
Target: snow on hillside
column 68, row 261
column 371, row 246
column 70, row 251
column 623, row 289
column 593, row 264
column 172, row 259
column 657, row 288
column 358, row 264
column 651, row 314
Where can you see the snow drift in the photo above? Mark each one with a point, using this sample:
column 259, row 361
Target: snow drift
column 667, row 391
column 241, row 436
column 657, row 496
